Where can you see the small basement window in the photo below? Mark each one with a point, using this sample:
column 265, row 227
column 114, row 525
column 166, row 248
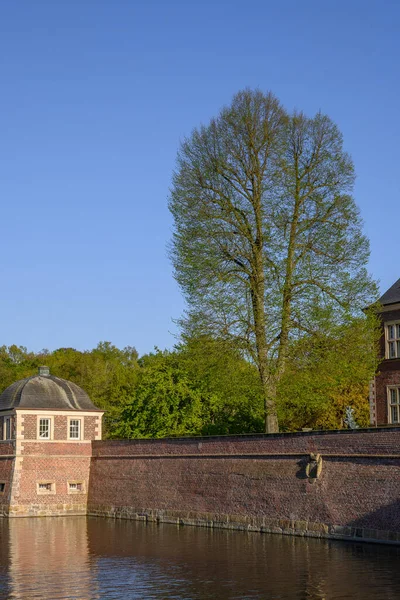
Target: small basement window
column 76, row 487
column 46, row 487
column 2, row 487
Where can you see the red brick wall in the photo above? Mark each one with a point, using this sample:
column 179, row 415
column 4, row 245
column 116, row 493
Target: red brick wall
column 31, row 423
column 60, row 427
column 30, row 427
column 353, row 491
column 49, row 448
column 90, row 428
column 51, row 462
column 52, row 469
column 6, row 472
column 388, row 373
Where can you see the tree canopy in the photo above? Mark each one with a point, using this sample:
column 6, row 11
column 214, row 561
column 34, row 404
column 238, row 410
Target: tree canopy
column 204, row 386
column 268, row 245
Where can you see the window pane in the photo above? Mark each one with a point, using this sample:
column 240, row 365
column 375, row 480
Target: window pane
column 74, row 429
column 76, row 487
column 392, row 350
column 395, row 414
column 398, row 348
column 398, row 331
column 44, row 428
column 45, row 487
column 393, row 396
column 391, row 332
column 7, row 428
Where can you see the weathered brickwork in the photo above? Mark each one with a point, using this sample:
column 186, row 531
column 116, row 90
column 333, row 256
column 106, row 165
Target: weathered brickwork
column 59, row 463
column 50, row 448
column 6, row 473
column 30, row 426
column 7, row 447
column 59, row 471
column 256, row 482
column 60, row 424
column 60, row 427
column 388, row 373
column 90, row 428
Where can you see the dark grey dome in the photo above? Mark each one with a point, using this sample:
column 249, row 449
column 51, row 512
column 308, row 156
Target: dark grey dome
column 45, row 391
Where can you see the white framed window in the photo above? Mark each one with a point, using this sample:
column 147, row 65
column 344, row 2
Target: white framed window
column 44, row 429
column 74, row 428
column 7, row 430
column 393, row 340
column 394, row 405
column 46, row 487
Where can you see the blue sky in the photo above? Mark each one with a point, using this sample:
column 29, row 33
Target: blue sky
column 95, row 98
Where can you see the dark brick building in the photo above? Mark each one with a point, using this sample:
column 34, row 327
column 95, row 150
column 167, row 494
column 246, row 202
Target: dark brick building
column 385, row 389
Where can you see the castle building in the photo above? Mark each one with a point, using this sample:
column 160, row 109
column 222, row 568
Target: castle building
column 385, row 388
column 48, row 425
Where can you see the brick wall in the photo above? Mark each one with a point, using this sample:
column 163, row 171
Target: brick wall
column 90, row 428
column 388, row 373
column 60, row 427
column 6, row 473
column 55, row 463
column 60, row 423
column 30, row 426
column 256, row 482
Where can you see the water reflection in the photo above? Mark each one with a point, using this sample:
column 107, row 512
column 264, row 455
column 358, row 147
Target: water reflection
column 56, row 558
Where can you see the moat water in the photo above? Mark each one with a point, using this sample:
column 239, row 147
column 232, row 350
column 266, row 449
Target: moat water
column 85, row 559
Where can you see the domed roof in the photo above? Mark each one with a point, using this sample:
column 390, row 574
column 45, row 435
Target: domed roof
column 45, row 391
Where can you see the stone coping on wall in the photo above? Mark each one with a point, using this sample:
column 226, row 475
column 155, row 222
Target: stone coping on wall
column 292, row 434
column 377, row 442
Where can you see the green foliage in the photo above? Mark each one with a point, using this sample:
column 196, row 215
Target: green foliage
column 233, row 394
column 203, row 387
column 166, row 402
column 206, row 387
column 327, row 372
column 16, row 363
column 267, row 233
column 108, row 375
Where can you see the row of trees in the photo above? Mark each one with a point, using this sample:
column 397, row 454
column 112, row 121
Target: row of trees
column 268, row 246
column 270, row 255
column 205, row 386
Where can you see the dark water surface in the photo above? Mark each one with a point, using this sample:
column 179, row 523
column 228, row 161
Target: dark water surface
column 76, row 558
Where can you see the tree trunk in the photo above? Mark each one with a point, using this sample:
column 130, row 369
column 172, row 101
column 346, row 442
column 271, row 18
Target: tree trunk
column 283, row 349
column 257, row 296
